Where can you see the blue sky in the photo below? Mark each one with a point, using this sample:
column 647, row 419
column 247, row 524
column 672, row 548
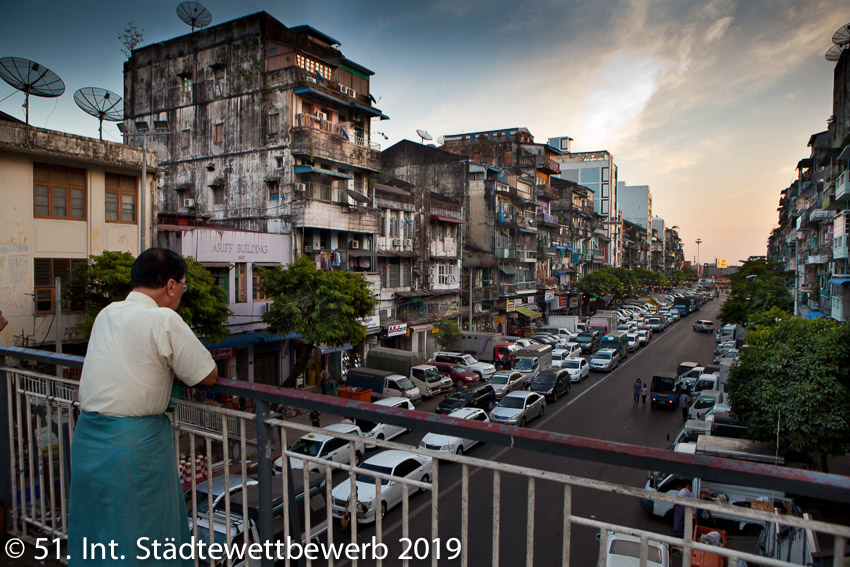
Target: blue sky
column 711, row 103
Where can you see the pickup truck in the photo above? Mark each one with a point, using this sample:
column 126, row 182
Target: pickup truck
column 383, row 383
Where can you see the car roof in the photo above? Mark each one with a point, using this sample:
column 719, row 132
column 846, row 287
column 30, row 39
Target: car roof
column 392, row 457
column 519, row 394
column 391, row 401
column 508, row 373
column 466, row 413
column 606, row 350
column 342, row 427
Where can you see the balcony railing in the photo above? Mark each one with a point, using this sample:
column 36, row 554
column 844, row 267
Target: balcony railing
column 842, row 186
column 33, row 400
column 547, row 219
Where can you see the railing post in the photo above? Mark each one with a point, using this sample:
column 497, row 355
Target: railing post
column 5, row 450
column 264, row 473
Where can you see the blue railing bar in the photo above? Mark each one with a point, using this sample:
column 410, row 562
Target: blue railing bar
column 47, row 357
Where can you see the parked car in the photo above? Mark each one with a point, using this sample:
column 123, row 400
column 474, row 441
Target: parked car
column 723, row 347
column 459, row 375
column 633, row 341
column 704, row 326
column 527, row 342
column 482, row 396
column 624, row 551
column 467, row 361
column 643, row 337
column 605, row 359
column 731, row 354
column 578, row 368
column 401, row 464
column 589, row 341
column 450, row 443
column 559, row 355
column 507, row 381
column 325, row 447
column 547, row 339
column 518, row 408
column 216, row 487
column 382, row 431
column 552, row 383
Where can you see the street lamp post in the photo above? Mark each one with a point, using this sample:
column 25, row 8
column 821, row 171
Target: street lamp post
column 143, row 130
column 699, row 266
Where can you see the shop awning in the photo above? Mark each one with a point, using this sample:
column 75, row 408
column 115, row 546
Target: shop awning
column 447, row 219
column 241, row 339
column 839, row 281
column 319, row 170
column 522, row 310
column 508, row 271
column 327, row 349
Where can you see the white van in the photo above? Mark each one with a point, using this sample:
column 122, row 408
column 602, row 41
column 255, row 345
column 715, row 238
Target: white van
column 382, row 431
column 706, row 401
column 325, row 447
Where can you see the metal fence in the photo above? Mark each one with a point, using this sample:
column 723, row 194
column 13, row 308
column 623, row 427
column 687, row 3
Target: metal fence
column 41, row 410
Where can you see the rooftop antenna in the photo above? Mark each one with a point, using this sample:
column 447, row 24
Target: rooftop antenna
column 842, row 36
column 194, row 14
column 100, row 103
column 441, row 141
column 834, row 52
column 424, row 135
column 31, row 78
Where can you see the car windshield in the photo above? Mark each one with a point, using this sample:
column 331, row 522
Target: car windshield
column 582, row 339
column 499, row 379
column 468, row 359
column 405, row 384
column 632, row 549
column 602, row 355
column 545, row 379
column 306, row 447
column 367, row 479
column 512, row 403
column 558, row 355
column 459, row 396
column 523, row 363
column 432, row 375
column 572, row 364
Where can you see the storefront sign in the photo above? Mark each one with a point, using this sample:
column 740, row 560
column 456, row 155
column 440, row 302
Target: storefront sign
column 549, row 295
column 372, row 323
column 510, row 305
column 563, row 301
column 396, row 330
column 223, row 353
column 573, row 301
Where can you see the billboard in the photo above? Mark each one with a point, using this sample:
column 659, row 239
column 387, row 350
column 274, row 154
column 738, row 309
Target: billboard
column 721, row 263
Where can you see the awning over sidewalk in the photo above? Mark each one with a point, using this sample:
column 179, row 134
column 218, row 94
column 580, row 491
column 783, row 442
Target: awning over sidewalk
column 522, row 310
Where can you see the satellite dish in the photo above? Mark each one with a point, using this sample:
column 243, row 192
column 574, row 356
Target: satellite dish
column 100, row 103
column 194, row 14
column 834, row 52
column 424, row 135
column 441, row 141
column 31, row 78
column 842, row 36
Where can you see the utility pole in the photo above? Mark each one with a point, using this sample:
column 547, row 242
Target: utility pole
column 699, row 266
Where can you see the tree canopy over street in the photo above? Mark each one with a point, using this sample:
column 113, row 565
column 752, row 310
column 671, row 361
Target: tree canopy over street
column 757, row 286
column 106, row 278
column 795, row 377
column 322, row 307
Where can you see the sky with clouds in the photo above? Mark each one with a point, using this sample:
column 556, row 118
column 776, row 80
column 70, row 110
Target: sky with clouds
column 710, row 103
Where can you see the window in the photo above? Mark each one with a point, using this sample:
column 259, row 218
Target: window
column 218, row 133
column 120, row 198
column 407, row 227
column 222, row 279
column 187, row 86
column 273, row 123
column 241, row 283
column 219, row 81
column 45, row 271
column 405, row 275
column 256, row 294
column 218, row 194
column 274, row 190
column 185, row 139
column 59, row 192
column 313, row 67
column 393, row 225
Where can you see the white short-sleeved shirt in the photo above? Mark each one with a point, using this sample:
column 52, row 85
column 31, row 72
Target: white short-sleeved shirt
column 135, row 349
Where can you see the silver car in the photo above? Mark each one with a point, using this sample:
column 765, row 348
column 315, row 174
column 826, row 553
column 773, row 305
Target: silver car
column 506, row 382
column 518, row 408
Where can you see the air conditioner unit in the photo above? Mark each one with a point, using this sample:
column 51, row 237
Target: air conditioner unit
column 354, row 244
column 408, row 243
column 397, row 242
column 352, row 93
column 343, row 89
column 188, row 203
column 321, row 116
column 308, row 248
column 299, row 187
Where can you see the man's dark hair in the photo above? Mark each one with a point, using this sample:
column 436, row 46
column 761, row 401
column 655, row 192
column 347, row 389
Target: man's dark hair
column 155, row 266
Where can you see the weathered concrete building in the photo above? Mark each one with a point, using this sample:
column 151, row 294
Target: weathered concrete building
column 65, row 198
column 269, row 131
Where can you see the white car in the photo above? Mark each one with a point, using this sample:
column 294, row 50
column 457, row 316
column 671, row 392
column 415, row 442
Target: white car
column 467, row 361
column 578, row 368
column 381, row 431
column 325, row 447
column 402, row 464
column 449, row 443
column 634, row 341
column 507, row 381
column 624, row 551
column 527, row 342
column 518, row 408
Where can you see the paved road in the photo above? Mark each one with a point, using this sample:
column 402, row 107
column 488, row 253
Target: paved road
column 600, row 407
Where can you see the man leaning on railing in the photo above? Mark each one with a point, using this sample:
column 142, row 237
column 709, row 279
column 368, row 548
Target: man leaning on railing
column 124, row 483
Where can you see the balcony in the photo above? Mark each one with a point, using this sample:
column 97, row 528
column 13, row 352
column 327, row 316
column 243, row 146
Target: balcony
column 539, row 162
column 547, row 220
column 486, row 293
column 312, row 213
column 842, row 186
column 526, row 287
column 325, row 140
column 546, row 191
column 839, row 247
column 506, row 253
column 526, row 255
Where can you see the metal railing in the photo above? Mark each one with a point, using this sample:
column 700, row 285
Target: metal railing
column 37, row 458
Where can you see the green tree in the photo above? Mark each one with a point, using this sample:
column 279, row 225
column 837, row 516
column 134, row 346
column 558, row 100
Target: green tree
column 130, row 38
column 757, row 286
column 323, row 307
column 601, row 283
column 682, row 277
column 648, row 280
column 769, row 318
column 106, row 278
column 449, row 333
column 794, row 378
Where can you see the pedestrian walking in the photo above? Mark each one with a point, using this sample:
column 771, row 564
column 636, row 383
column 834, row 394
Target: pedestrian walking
column 643, row 392
column 314, row 417
column 684, row 403
column 637, row 386
column 122, row 456
column 679, row 510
